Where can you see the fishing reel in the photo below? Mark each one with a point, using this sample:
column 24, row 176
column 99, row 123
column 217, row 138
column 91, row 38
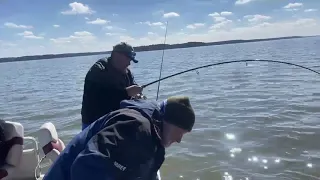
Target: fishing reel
column 139, row 96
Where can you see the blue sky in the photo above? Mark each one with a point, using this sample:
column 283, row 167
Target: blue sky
column 41, row 27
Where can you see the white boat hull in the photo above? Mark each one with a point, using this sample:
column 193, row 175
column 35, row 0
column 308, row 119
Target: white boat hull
column 32, row 165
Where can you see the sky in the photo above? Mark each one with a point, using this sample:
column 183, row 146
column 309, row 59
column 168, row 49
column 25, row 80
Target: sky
column 35, row 27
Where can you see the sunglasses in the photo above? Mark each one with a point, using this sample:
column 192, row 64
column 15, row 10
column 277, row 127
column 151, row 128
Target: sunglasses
column 131, row 56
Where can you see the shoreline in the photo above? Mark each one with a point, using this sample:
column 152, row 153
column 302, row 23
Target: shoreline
column 153, row 47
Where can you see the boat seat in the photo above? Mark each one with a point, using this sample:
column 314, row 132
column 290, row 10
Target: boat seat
column 13, row 148
column 49, row 142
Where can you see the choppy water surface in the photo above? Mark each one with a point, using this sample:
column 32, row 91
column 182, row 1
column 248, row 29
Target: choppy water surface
column 259, row 121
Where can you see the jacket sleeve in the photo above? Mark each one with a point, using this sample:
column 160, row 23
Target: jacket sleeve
column 2, row 137
column 132, row 79
column 116, row 151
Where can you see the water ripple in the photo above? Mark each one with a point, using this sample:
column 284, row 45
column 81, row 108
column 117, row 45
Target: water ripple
column 255, row 121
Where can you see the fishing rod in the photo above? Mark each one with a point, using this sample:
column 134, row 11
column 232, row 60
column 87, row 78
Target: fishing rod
column 164, row 45
column 229, row 62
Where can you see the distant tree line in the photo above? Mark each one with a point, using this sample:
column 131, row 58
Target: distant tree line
column 153, row 47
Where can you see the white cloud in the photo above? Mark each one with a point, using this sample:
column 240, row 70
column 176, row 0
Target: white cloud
column 114, row 28
column 223, row 13
column 82, row 34
column 126, row 38
column 61, row 40
column 195, row 25
column 215, row 14
column 240, row 2
column 29, row 35
column 13, row 25
column 292, row 6
column 220, row 29
column 310, row 10
column 170, row 14
column 56, row 25
column 78, row 8
column 154, row 24
column 112, row 34
column 220, row 17
column 109, row 27
column 150, row 38
column 306, row 22
column 227, row 31
column 257, row 18
column 79, row 36
column 98, row 21
column 263, row 30
column 221, row 25
column 226, row 13
column 151, row 24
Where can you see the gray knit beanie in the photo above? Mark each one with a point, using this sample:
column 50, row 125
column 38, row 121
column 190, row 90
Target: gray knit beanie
column 178, row 111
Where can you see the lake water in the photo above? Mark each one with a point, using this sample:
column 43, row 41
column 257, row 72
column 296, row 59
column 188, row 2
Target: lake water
column 258, row 121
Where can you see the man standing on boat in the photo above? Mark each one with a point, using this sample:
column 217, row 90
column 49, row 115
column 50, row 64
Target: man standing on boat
column 126, row 144
column 108, row 82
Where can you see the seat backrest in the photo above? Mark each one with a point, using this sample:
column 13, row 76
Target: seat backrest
column 49, row 141
column 13, row 147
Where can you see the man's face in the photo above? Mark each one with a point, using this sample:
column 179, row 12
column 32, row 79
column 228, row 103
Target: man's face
column 121, row 61
column 171, row 134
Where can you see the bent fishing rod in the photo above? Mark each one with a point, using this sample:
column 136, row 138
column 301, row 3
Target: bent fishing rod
column 229, row 62
column 164, row 47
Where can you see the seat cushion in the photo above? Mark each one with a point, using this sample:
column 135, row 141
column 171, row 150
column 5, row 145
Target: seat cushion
column 11, row 149
column 14, row 142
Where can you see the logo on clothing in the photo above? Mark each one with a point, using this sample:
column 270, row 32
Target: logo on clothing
column 119, row 166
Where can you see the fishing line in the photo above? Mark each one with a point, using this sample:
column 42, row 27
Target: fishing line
column 228, row 62
column 164, row 45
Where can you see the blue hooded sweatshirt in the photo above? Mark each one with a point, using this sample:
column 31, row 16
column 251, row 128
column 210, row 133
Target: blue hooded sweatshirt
column 124, row 144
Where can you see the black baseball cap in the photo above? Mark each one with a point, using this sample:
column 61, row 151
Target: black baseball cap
column 126, row 49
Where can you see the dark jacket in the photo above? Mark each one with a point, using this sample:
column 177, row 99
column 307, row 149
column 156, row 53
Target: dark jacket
column 104, row 88
column 122, row 145
column 3, row 147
